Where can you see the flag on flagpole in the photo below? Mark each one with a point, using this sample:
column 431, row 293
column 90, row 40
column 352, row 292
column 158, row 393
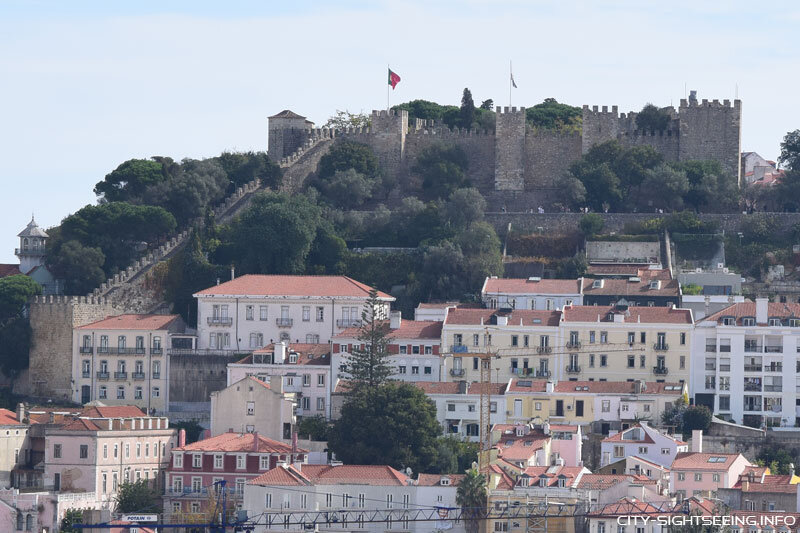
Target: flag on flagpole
column 513, row 83
column 394, row 79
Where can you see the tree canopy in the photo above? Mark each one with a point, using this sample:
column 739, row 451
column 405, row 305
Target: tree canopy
column 552, row 115
column 467, row 110
column 15, row 329
column 345, row 119
column 442, row 169
column 369, row 367
column 790, row 151
column 137, row 497
column 653, row 119
column 471, row 497
column 130, row 179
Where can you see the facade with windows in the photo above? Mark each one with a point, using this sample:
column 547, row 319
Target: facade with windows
column 637, row 343
column 647, row 515
column 702, row 474
column 648, row 288
column 306, row 371
column 195, row 470
column 531, row 293
column 123, row 360
column 252, row 311
column 102, row 447
column 336, row 488
column 523, row 343
column 14, row 445
column 747, row 358
column 254, row 406
column 413, row 347
column 642, row 441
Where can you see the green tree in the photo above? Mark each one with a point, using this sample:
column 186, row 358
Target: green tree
column 130, row 179
column 15, row 329
column 368, row 367
column 454, row 456
column 328, row 252
column 692, row 289
column 464, row 207
column 199, row 185
column 81, row 267
column 591, row 224
column 244, row 167
column 348, row 189
column 15, row 291
column 786, row 193
column 346, row 155
column 467, row 111
column 651, row 118
column 572, row 192
column 487, row 104
column 552, row 115
column 471, row 497
column 345, row 119
column 394, row 424
column 442, row 169
column 424, row 109
column 137, row 497
column 314, row 428
column 778, row 458
column 664, row 188
column 673, row 416
column 574, row 267
column 696, row 417
column 790, row 151
column 71, row 517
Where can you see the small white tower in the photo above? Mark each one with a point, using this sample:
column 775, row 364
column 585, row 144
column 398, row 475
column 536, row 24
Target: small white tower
column 32, row 246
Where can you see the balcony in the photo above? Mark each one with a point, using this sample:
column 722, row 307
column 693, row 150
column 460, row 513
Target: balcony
column 220, row 321
column 711, row 348
column 459, row 348
column 573, row 369
column 773, row 349
column 752, row 348
column 457, row 372
column 773, row 388
column 752, row 408
column 711, row 366
column 752, row 368
column 138, row 376
column 348, row 323
column 156, row 375
column 86, row 374
column 724, row 348
column 752, row 387
column 156, row 350
column 120, row 376
column 544, row 350
column 284, row 322
column 123, row 351
column 660, row 370
column 542, row 373
column 103, row 376
column 574, row 344
column 86, row 349
column 774, row 367
column 30, row 250
column 661, row 346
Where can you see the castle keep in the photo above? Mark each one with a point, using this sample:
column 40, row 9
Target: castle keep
column 518, row 164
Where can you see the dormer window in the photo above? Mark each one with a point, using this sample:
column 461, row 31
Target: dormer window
column 794, row 322
column 597, row 284
column 524, row 481
column 655, row 285
column 562, row 482
column 728, row 321
column 292, row 357
column 775, row 322
column 445, row 481
column 542, row 481
column 748, row 321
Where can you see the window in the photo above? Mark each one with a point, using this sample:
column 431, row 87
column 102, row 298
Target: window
column 84, row 451
column 537, row 406
column 306, row 402
column 683, row 339
column 604, row 337
column 403, row 349
column 475, row 340
column 156, row 392
column 631, row 337
column 177, row 459
column 591, row 337
column 601, row 527
column 681, row 476
column 427, row 370
column 137, row 393
column 748, row 321
column 682, row 362
column 724, row 401
column 664, row 451
column 306, row 380
column 715, row 478
column 500, row 526
column 619, row 451
column 251, row 408
column 631, row 361
column 603, row 360
column 320, row 380
column 306, row 313
column 401, row 369
column 127, row 451
column 103, row 392
column 514, row 340
column 263, row 462
column 429, row 350
column 256, row 340
column 415, row 370
column 320, row 314
column 262, row 312
column 591, row 360
column 642, row 361
column 698, row 476
column 643, row 450
column 320, row 404
column 415, row 349
column 240, row 462
column 120, row 393
column 606, row 406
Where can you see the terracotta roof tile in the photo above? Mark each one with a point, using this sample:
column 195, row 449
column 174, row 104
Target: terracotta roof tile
column 112, row 411
column 454, row 387
column 625, row 287
column 635, row 314
column 281, row 476
column 238, row 442
column 80, row 424
column 748, row 309
column 528, row 317
column 528, row 385
column 8, row 418
column 307, row 354
column 703, row 461
column 526, row 286
column 553, row 474
column 138, row 322
column 601, row 481
column 283, row 285
column 409, row 329
column 617, row 387
column 9, row 270
column 376, row 475
column 432, row 480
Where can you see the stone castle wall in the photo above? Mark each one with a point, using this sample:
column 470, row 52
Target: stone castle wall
column 547, row 156
column 192, row 378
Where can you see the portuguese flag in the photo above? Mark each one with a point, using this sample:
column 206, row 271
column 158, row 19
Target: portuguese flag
column 394, row 79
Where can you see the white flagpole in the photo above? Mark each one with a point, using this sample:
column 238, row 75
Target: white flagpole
column 510, row 77
column 387, row 86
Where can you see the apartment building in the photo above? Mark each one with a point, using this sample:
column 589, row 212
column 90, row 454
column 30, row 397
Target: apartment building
column 413, row 347
column 196, row 470
column 642, row 441
column 637, row 343
column 747, row 357
column 14, row 445
column 254, row 406
column 542, row 444
column 642, row 515
column 758, row 489
column 121, row 360
column 649, row 288
column 252, row 311
column 306, row 371
column 531, row 293
column 702, row 474
column 521, row 342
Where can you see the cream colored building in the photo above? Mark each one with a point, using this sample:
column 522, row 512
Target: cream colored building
column 614, row 343
column 122, row 360
column 14, row 446
column 254, row 406
column 521, row 342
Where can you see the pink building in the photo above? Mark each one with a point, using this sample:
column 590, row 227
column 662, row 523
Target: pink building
column 642, row 441
column 306, row 369
column 701, row 474
column 231, row 457
column 547, row 444
column 103, row 447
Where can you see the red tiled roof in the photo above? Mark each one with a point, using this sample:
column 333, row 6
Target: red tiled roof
column 376, row 475
column 282, row 285
column 527, row 385
column 525, row 286
column 409, row 329
column 432, row 480
column 748, row 309
column 601, row 481
column 563, row 427
column 437, row 305
column 80, row 424
column 700, row 461
column 528, row 317
column 774, row 483
column 635, row 314
column 553, row 473
column 617, row 437
column 9, row 270
column 112, row 411
column 138, row 322
column 632, row 506
column 307, row 354
column 448, row 387
column 505, row 482
column 616, row 387
column 8, row 418
column 625, row 287
column 239, row 442
column 281, row 476
column 521, row 448
column 286, row 113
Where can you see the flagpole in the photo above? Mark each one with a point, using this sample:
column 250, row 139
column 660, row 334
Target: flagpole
column 510, row 74
column 387, row 89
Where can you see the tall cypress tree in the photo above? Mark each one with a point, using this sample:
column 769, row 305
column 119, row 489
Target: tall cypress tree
column 467, row 109
column 369, row 366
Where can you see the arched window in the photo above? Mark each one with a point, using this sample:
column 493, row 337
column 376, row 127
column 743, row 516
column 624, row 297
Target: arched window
column 25, row 243
column 20, row 520
column 29, row 523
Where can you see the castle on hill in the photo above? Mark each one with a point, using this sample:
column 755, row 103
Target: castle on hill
column 517, row 164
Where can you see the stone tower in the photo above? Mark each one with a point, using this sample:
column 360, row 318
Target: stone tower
column 388, row 130
column 509, row 165
column 287, row 132
column 599, row 126
column 712, row 130
column 32, row 243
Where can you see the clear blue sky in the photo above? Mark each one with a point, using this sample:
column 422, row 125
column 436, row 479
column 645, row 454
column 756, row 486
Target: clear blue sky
column 87, row 85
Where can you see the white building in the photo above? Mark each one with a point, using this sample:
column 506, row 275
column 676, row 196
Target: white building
column 252, row 311
column 14, row 444
column 746, row 361
column 643, row 441
column 531, row 293
column 351, row 489
column 413, row 349
column 254, row 406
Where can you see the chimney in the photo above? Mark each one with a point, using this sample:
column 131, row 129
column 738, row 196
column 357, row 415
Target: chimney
column 502, row 320
column 462, row 387
column 395, row 320
column 276, row 384
column 110, row 423
column 762, row 310
column 294, row 444
column 255, row 441
column 217, row 281
column 181, row 438
column 546, row 428
column 233, row 272
column 697, row 440
column 550, row 387
column 21, row 411
column 637, row 387
column 279, row 353
column 52, row 418
column 745, row 485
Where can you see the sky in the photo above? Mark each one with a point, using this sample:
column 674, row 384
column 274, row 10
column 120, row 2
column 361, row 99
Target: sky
column 86, row 85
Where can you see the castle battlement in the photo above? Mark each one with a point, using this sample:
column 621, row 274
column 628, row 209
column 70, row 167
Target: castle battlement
column 596, row 110
column 389, row 112
column 716, row 104
column 506, row 110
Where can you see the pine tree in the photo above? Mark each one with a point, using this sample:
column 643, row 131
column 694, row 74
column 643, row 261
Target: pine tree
column 467, row 109
column 369, row 367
